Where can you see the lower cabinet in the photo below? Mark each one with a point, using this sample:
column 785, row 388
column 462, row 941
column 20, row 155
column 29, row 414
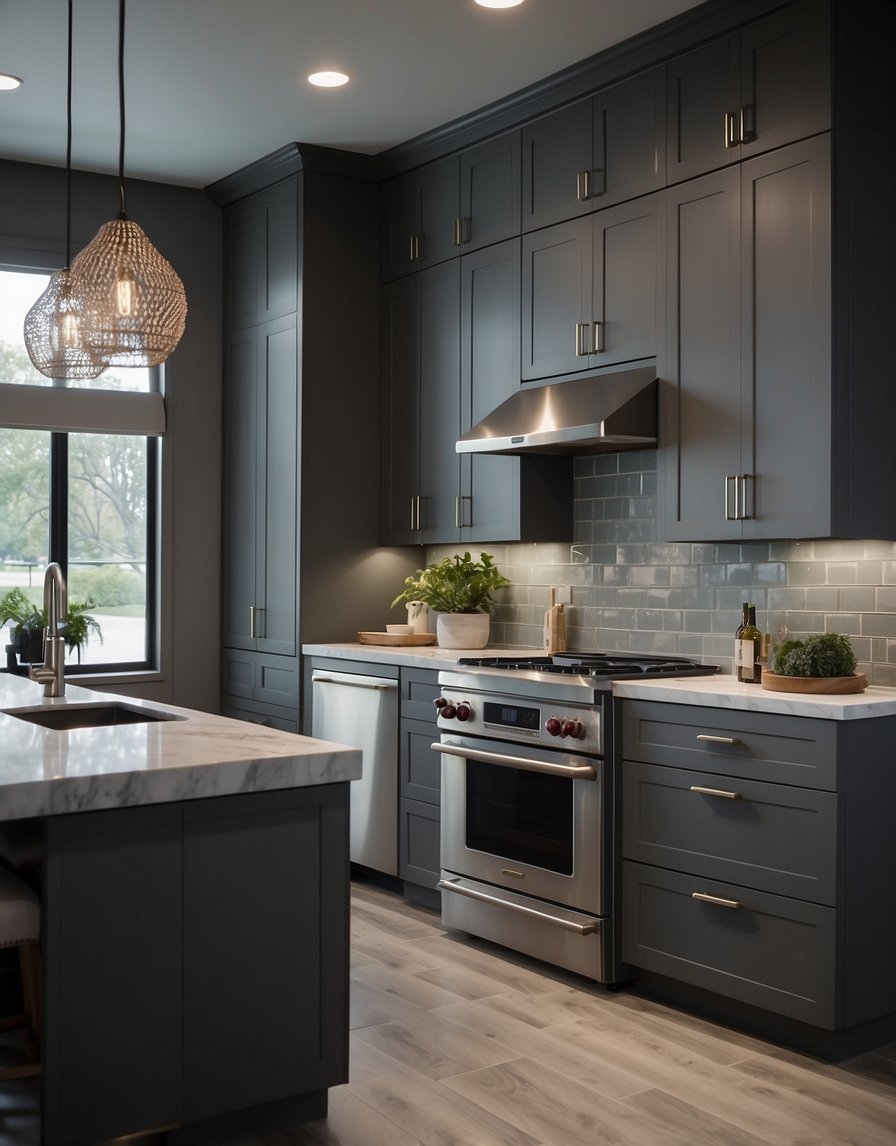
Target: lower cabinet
column 758, row 857
column 419, row 786
column 196, row 960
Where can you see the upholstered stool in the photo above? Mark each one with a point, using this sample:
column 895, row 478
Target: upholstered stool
column 20, row 927
column 21, row 842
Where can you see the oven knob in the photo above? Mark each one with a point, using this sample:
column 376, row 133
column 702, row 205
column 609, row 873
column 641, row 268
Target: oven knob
column 448, row 711
column 440, row 702
column 573, row 728
column 464, row 712
column 553, row 726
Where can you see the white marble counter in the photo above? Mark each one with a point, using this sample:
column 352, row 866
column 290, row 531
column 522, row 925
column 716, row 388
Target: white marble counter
column 410, row 656
column 47, row 772
column 727, row 692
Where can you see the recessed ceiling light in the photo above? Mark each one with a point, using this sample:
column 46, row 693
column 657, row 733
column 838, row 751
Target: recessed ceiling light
column 9, row 83
column 328, row 79
column 498, row 3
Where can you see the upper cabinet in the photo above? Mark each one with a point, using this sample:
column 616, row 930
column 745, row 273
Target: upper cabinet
column 458, row 204
column 596, row 152
column 262, row 276
column 757, row 89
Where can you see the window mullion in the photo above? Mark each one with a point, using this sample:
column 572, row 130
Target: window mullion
column 59, row 500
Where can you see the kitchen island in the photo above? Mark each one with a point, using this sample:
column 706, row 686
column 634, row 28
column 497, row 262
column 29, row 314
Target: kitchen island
column 194, row 914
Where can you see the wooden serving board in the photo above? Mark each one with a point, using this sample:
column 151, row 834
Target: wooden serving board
column 397, row 638
column 822, row 685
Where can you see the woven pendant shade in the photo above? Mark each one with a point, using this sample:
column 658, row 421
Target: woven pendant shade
column 53, row 336
column 133, row 302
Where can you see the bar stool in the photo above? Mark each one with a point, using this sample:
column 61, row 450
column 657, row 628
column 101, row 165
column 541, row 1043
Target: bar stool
column 20, row 927
column 21, row 843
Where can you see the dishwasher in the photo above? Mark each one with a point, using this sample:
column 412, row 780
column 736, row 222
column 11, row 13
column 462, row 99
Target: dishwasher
column 362, row 712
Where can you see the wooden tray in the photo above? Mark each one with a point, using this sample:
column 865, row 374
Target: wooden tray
column 823, row 685
column 397, row 638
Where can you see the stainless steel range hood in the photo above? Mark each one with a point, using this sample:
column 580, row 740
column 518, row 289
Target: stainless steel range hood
column 589, row 415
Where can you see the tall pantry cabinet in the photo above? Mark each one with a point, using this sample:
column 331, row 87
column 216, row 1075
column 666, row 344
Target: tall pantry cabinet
column 301, row 511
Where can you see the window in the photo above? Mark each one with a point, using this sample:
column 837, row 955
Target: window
column 86, row 500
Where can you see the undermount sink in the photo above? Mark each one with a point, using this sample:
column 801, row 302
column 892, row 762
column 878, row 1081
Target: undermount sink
column 67, row 716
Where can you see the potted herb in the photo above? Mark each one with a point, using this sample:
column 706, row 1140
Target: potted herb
column 460, row 590
column 27, row 622
column 820, row 664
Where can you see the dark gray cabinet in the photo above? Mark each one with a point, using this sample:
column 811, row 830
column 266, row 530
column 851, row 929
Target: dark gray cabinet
column 419, row 786
column 593, row 290
column 746, row 406
column 750, row 92
column 489, row 192
column 260, row 235
column 154, row 914
column 596, row 152
column 755, row 851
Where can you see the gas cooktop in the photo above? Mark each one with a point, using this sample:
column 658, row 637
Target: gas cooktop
column 616, row 666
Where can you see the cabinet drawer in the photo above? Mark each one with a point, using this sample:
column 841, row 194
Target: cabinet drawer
column 771, row 952
column 419, row 843
column 758, row 745
column 419, row 688
column 420, row 776
column 766, row 836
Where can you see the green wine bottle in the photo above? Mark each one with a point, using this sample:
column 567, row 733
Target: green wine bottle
column 737, row 636
column 749, row 668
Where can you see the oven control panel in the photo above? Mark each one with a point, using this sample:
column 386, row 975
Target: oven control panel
column 512, row 719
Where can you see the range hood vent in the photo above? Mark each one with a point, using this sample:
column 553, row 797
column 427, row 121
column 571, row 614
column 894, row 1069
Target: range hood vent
column 587, row 416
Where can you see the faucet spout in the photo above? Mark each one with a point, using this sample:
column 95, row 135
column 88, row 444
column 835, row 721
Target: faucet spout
column 51, row 674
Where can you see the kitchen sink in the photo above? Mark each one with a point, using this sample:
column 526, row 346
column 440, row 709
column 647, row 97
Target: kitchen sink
column 67, row 716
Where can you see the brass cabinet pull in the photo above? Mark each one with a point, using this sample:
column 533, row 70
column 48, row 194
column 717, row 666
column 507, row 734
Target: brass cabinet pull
column 580, row 194
column 461, row 231
column 731, row 139
column 597, row 337
column 709, row 739
column 459, row 511
column 720, row 792
column 579, row 328
column 252, row 622
column 457, row 521
column 415, row 249
column 582, row 351
column 705, row 897
column 589, row 190
column 729, row 478
column 742, row 481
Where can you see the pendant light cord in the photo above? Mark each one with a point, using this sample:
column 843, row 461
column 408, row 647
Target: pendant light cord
column 68, row 148
column 121, row 5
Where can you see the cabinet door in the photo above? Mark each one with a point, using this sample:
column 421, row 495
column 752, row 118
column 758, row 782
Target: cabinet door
column 700, row 404
column 703, row 90
column 629, row 150
column 400, row 431
column 439, row 185
column 400, row 215
column 490, row 373
column 419, row 843
column 786, row 374
column 239, row 493
column 261, row 244
column 627, row 287
column 490, row 192
column 785, row 77
column 275, row 584
column 438, row 295
column 556, row 269
column 556, row 154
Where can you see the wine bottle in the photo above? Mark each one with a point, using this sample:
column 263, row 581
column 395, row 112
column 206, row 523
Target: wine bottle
column 737, row 635
column 750, row 668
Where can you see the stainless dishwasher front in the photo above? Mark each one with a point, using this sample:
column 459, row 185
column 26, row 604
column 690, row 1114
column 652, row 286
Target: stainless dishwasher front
column 362, row 711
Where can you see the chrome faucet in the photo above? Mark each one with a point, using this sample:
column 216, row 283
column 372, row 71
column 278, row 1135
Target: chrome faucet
column 51, row 674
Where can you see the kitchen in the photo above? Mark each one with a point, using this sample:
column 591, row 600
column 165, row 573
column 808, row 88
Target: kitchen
column 633, row 587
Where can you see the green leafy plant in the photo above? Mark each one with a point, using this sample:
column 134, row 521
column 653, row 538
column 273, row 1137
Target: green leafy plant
column 455, row 585
column 827, row 655
column 23, row 616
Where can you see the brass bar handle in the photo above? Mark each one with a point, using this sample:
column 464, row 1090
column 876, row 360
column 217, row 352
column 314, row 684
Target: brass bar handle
column 580, row 326
column 729, row 478
column 262, row 615
column 412, row 248
column 731, row 139
column 461, row 231
column 589, row 190
column 705, row 897
column 455, row 232
column 413, row 518
column 709, row 739
column 742, row 482
column 252, row 622
column 720, row 792
column 457, row 513
column 579, row 192
column 747, row 133
column 597, row 337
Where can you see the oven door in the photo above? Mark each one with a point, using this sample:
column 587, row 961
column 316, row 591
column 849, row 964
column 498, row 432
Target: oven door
column 524, row 818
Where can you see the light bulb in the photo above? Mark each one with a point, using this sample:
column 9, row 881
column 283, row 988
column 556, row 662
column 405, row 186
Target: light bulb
column 125, row 296
column 69, row 331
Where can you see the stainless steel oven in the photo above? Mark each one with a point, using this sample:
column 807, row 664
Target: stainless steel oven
column 527, row 798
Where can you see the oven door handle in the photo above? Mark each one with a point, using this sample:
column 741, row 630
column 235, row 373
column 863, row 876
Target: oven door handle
column 526, row 764
column 544, row 916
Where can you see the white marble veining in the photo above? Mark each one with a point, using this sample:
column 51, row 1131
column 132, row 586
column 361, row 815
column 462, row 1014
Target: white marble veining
column 47, row 772
column 409, row 656
column 727, row 692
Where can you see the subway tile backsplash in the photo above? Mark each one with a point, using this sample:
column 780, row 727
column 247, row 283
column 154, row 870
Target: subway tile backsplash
column 632, row 591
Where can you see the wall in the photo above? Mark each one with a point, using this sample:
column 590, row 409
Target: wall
column 186, row 228
column 632, row 591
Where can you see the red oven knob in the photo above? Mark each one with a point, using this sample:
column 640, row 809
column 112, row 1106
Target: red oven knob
column 448, row 711
column 440, row 702
column 463, row 711
column 553, row 726
column 573, row 728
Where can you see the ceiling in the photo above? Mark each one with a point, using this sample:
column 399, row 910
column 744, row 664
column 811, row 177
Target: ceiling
column 212, row 85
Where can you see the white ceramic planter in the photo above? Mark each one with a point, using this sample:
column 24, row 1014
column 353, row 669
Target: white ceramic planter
column 462, row 630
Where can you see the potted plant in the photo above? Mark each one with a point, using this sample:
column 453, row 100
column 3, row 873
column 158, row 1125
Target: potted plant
column 27, row 622
column 820, row 664
column 460, row 590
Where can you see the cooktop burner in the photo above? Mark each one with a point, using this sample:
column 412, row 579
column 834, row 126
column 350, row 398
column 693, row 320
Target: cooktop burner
column 615, row 665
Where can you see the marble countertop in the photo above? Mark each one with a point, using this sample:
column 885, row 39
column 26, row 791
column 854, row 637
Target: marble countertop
column 409, row 656
column 727, row 692
column 196, row 755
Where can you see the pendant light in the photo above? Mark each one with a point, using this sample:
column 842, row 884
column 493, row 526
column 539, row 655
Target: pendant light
column 134, row 302
column 53, row 325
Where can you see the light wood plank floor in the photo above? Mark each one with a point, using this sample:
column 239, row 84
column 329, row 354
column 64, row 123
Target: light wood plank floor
column 456, row 1043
